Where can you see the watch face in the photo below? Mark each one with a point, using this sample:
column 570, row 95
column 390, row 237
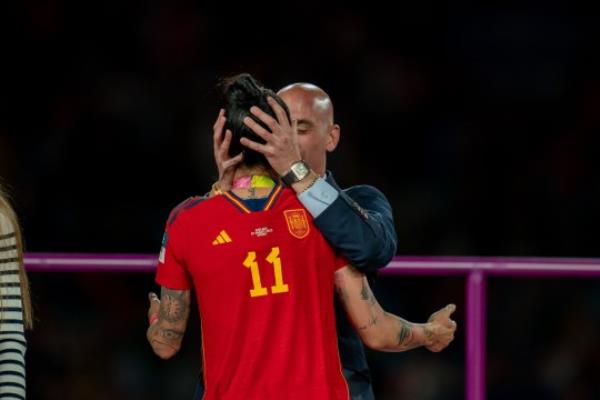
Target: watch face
column 300, row 169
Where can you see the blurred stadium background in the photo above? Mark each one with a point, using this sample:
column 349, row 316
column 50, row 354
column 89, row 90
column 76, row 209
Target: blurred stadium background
column 479, row 122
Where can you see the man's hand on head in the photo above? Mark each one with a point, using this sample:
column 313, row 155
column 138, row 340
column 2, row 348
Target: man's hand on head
column 281, row 148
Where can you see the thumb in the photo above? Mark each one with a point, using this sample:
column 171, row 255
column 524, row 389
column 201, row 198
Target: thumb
column 450, row 308
column 153, row 297
column 443, row 313
column 232, row 162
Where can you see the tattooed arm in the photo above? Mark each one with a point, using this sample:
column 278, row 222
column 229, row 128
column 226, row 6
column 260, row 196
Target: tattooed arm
column 383, row 331
column 165, row 333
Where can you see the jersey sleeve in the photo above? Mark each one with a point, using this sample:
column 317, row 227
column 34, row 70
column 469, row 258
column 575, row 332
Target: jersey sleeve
column 340, row 262
column 172, row 270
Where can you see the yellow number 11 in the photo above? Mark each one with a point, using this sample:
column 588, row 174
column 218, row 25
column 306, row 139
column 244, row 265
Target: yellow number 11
column 273, row 258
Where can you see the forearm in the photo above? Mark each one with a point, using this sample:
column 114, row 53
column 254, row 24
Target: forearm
column 166, row 331
column 398, row 334
column 377, row 328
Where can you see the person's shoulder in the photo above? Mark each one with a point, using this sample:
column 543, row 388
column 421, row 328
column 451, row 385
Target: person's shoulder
column 184, row 207
column 6, row 225
column 364, row 190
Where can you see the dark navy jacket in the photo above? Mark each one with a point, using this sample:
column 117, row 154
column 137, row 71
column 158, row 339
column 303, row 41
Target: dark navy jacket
column 360, row 225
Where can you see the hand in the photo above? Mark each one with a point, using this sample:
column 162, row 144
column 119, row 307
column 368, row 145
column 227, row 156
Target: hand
column 281, row 147
column 439, row 330
column 154, row 305
column 225, row 165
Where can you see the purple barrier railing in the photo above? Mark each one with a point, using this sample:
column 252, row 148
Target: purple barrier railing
column 476, row 270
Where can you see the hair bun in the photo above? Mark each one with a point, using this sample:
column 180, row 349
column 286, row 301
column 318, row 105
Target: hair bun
column 242, row 90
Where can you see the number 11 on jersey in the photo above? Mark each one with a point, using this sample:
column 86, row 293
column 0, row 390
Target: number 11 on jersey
column 273, row 258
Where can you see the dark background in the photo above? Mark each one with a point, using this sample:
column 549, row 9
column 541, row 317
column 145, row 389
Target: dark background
column 479, row 122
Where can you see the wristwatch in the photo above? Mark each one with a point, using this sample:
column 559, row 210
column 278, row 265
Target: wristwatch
column 298, row 171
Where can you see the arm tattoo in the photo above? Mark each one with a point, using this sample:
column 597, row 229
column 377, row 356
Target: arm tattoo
column 366, row 294
column 171, row 334
column 372, row 322
column 174, row 305
column 172, row 320
column 404, row 334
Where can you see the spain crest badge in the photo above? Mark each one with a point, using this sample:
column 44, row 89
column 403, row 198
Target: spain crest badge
column 297, row 223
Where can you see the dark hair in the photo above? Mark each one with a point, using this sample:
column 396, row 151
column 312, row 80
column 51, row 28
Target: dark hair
column 241, row 92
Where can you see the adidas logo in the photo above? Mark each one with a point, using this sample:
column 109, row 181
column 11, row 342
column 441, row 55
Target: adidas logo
column 222, row 238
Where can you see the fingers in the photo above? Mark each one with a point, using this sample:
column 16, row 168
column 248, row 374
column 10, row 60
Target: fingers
column 445, row 312
column 441, row 342
column 265, row 118
column 449, row 324
column 282, row 117
column 153, row 297
column 228, row 169
column 154, row 304
column 256, row 128
column 224, row 146
column 448, row 310
column 232, row 162
column 218, row 128
column 154, row 308
column 218, row 135
column 261, row 148
column 443, row 329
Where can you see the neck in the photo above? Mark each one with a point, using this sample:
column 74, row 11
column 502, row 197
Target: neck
column 255, row 170
column 252, row 192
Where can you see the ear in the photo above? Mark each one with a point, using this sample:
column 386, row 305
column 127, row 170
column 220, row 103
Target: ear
column 333, row 138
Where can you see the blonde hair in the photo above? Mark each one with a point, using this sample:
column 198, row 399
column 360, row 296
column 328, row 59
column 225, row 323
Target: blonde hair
column 8, row 212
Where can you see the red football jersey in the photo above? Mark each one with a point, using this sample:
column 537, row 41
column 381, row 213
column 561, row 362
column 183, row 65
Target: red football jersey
column 264, row 283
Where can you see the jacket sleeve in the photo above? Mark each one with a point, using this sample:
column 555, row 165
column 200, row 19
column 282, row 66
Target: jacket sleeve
column 360, row 225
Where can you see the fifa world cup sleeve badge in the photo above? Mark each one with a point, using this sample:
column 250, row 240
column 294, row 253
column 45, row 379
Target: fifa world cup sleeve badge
column 163, row 249
column 297, row 223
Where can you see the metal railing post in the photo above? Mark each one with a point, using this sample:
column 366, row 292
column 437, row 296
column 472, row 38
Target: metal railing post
column 476, row 287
